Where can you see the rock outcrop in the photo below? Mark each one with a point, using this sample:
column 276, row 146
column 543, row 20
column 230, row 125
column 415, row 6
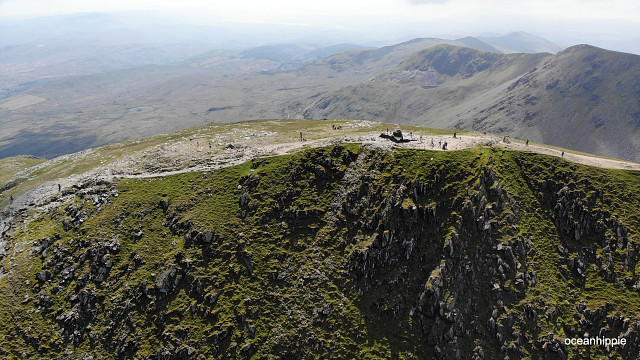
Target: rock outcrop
column 341, row 252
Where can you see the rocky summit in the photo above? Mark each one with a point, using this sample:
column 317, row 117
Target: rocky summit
column 346, row 251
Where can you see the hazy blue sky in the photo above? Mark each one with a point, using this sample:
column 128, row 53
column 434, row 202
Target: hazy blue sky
column 568, row 21
column 293, row 10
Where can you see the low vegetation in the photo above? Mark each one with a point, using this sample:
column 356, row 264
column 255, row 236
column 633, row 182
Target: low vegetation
column 345, row 251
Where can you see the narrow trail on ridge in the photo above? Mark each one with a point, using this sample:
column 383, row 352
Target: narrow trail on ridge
column 41, row 194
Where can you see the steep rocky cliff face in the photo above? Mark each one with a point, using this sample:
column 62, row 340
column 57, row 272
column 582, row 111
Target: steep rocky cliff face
column 340, row 252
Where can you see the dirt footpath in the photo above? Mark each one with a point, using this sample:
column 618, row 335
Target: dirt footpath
column 465, row 142
column 248, row 151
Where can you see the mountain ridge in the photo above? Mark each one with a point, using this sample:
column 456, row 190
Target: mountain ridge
column 213, row 263
column 134, row 103
column 521, row 41
column 507, row 98
column 130, row 104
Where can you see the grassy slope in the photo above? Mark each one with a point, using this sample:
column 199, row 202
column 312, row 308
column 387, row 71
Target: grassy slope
column 133, row 156
column 10, row 167
column 275, row 263
column 581, row 98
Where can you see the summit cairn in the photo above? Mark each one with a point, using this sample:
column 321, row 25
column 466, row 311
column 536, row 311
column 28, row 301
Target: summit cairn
column 395, row 136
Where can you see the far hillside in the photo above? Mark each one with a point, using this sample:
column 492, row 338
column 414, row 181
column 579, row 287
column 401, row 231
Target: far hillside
column 66, row 115
column 583, row 98
column 521, row 42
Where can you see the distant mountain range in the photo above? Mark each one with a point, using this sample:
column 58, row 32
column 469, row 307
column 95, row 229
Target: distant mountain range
column 582, row 97
column 521, row 42
column 54, row 116
column 33, row 51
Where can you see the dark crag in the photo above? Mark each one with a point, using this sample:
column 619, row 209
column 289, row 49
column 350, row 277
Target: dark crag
column 339, row 252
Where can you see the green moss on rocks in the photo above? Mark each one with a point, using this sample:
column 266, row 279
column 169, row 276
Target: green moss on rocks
column 338, row 252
